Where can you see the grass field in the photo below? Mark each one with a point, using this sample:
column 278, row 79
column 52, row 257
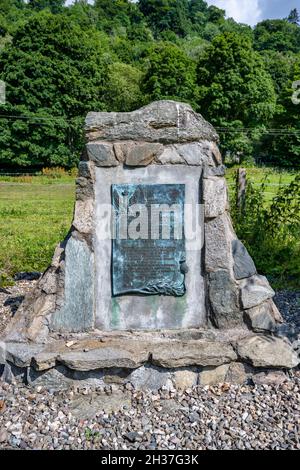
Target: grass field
column 36, row 213
column 33, row 218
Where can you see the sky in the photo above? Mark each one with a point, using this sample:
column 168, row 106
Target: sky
column 252, row 11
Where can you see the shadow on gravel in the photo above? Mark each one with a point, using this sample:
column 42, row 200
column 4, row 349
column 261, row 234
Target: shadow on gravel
column 26, row 276
column 14, row 303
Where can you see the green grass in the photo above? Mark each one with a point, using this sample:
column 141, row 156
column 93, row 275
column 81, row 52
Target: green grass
column 256, row 175
column 33, row 219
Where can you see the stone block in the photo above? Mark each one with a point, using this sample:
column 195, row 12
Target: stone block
column 150, row 378
column 196, row 153
column 102, row 154
column 261, row 318
column 224, row 301
column 254, row 291
column 105, row 357
column 218, row 236
column 161, row 121
column 267, row 352
column 170, row 156
column 77, row 312
column 209, row 171
column 238, row 373
column 243, row 264
column 142, row 154
column 185, row 378
column 84, row 216
column 213, row 375
column 193, row 353
column 215, row 196
column 276, row 377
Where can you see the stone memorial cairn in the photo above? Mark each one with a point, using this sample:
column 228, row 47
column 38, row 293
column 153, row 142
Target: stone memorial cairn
column 224, row 326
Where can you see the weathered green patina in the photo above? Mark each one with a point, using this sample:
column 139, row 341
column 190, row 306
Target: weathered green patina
column 148, row 253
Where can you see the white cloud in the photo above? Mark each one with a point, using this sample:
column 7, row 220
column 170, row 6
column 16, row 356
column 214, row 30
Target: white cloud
column 243, row 11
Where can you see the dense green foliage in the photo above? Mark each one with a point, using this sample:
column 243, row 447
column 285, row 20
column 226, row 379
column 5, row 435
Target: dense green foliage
column 272, row 231
column 58, row 62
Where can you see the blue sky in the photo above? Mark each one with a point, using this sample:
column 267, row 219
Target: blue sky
column 252, row 11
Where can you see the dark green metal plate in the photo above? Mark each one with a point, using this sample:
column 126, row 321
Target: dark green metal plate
column 141, row 264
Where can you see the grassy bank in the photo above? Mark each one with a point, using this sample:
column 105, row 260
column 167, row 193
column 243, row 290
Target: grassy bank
column 34, row 217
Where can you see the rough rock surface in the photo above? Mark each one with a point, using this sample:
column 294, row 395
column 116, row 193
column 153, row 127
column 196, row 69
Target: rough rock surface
column 243, row 264
column 161, row 121
column 261, row 351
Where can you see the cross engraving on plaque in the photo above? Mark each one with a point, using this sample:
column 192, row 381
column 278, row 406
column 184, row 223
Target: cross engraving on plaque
column 148, row 247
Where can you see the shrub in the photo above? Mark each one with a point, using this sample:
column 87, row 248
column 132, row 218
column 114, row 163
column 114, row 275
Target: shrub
column 272, row 232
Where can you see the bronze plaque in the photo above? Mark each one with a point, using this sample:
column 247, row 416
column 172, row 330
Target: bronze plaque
column 148, row 248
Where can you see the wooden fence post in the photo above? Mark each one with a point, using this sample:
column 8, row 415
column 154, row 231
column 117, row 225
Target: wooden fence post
column 241, row 186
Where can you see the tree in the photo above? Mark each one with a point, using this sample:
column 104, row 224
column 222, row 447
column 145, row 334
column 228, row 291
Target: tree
column 235, row 89
column 283, row 148
column 278, row 35
column 166, row 15
column 55, row 74
column 55, row 6
column 170, row 74
column 123, row 92
column 294, row 17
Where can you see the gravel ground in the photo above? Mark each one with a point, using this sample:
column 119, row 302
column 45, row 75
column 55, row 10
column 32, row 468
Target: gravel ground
column 219, row 417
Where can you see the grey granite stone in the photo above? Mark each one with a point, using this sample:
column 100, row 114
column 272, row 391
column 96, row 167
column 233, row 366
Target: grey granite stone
column 83, row 220
column 268, row 352
column 109, row 356
column 102, row 153
column 254, row 291
column 84, row 189
column 209, row 171
column 142, row 154
column 243, row 264
column 224, row 301
column 213, row 375
column 62, row 378
column 77, row 313
column 215, row 196
column 84, row 170
column 21, row 354
column 192, row 353
column 196, row 153
column 218, row 236
column 170, row 156
column 261, row 318
column 161, row 121
column 149, row 378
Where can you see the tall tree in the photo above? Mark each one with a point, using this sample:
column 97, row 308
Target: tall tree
column 54, row 74
column 235, row 89
column 294, row 17
column 170, row 74
column 278, row 35
column 166, row 15
column 55, row 6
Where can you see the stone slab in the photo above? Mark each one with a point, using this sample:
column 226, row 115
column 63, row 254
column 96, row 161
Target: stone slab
column 262, row 351
column 193, row 353
column 77, row 312
column 243, row 266
column 255, row 290
column 159, row 312
column 162, row 121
